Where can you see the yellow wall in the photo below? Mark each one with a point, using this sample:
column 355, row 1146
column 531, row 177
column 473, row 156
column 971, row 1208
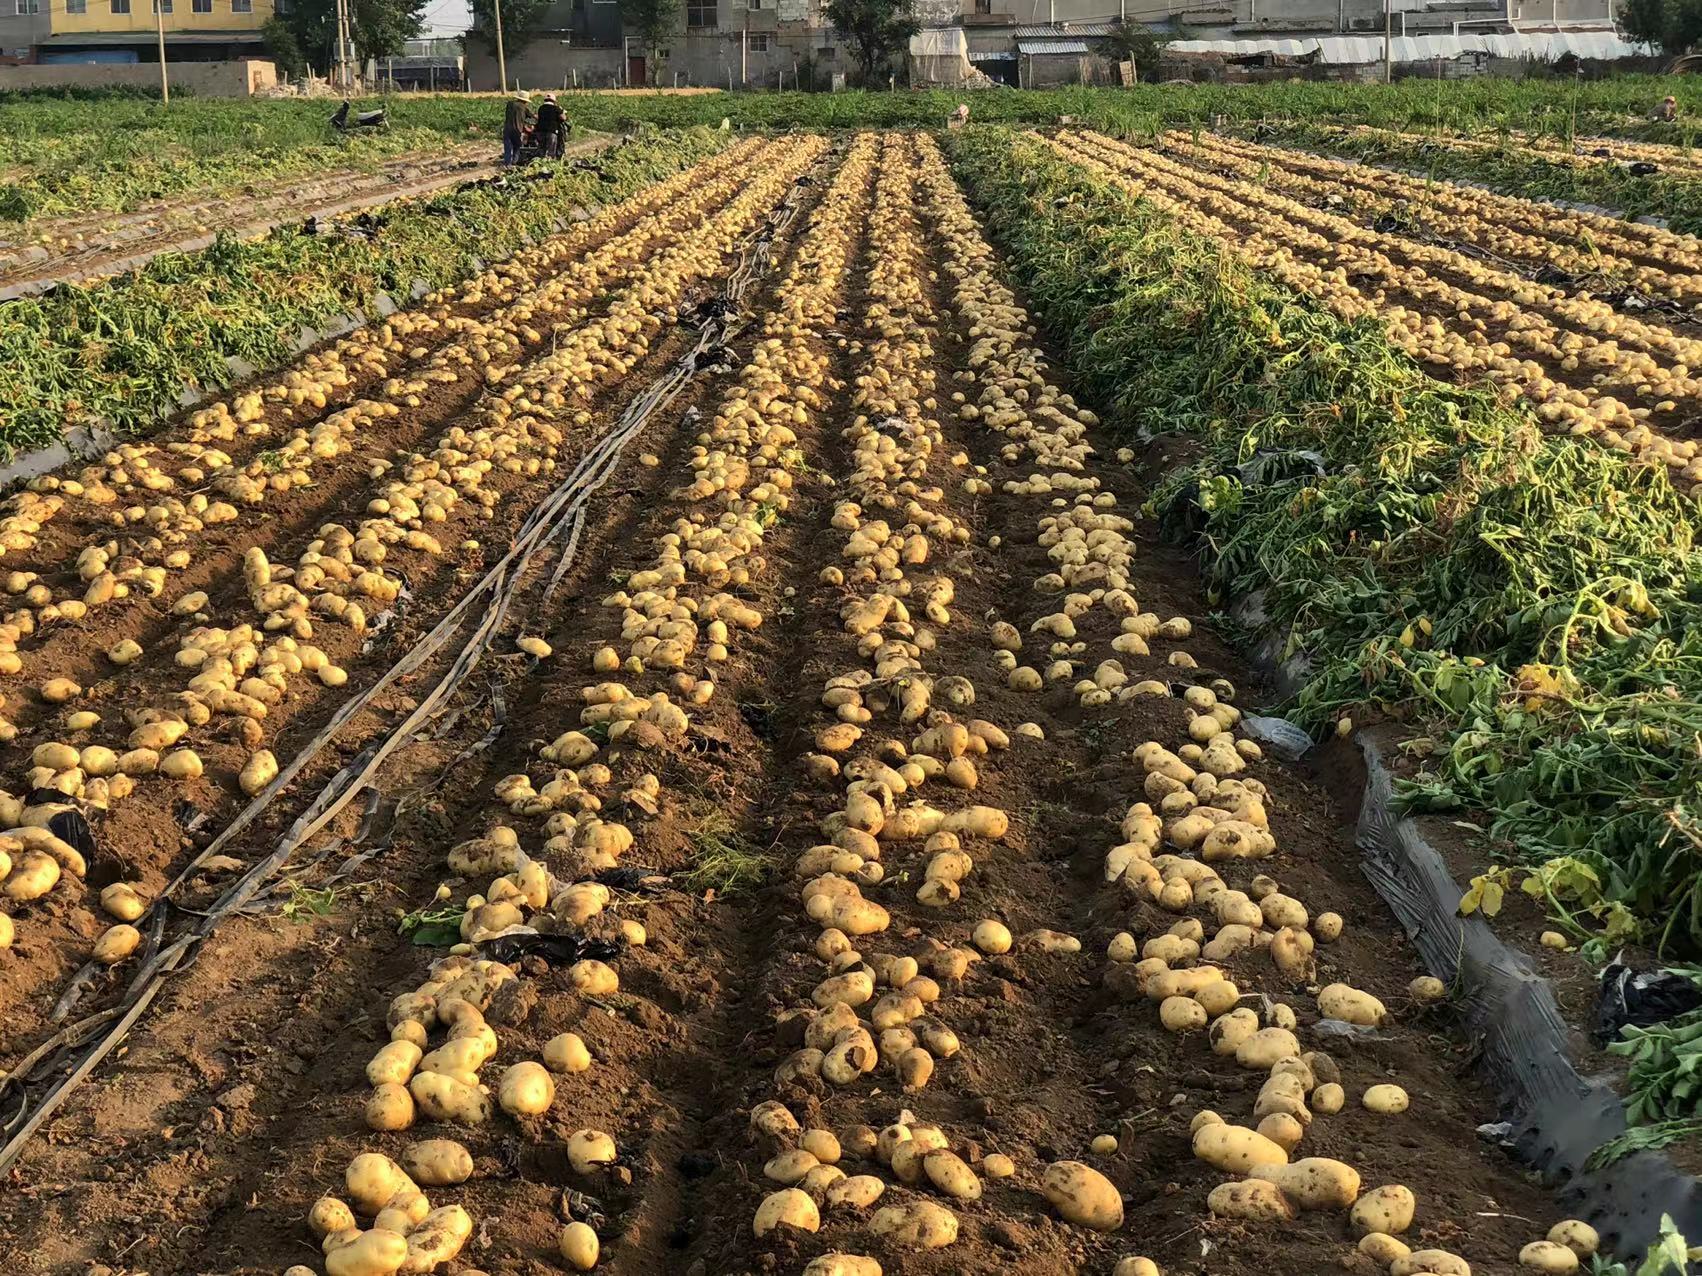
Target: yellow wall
column 182, row 17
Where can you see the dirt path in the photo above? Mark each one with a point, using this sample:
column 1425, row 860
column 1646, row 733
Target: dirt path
column 830, row 797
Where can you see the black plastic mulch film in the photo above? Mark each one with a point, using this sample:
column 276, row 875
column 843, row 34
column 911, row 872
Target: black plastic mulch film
column 1557, row 1117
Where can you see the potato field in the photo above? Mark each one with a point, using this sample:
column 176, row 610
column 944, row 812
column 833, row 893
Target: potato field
column 798, row 698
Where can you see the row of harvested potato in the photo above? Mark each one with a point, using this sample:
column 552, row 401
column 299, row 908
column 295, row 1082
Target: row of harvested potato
column 1583, row 243
column 1633, row 369
column 243, row 672
column 415, row 1077
column 145, row 517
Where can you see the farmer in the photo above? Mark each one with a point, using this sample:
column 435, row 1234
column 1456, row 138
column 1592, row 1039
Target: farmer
column 1666, row 111
column 552, row 123
column 515, row 121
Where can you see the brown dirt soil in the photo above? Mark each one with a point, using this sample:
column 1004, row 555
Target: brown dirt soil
column 238, row 1101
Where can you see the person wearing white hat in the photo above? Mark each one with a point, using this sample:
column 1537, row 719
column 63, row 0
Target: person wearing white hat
column 515, row 121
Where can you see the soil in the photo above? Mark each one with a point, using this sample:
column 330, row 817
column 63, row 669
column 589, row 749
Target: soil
column 237, row 1100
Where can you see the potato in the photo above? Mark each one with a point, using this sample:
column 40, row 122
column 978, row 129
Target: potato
column 378, row 1252
column 1135, row 1266
column 1339, row 1001
column 1266, row 1047
column 1181, row 1014
column 1548, row 1256
column 951, row 1174
column 526, row 1089
column 823, row 1145
column 437, row 1163
column 1236, row 1149
column 1255, row 1200
column 1218, row 998
column 842, row 1265
column 918, row 1225
column 1577, row 1235
column 1426, row 989
column 1228, row 1031
column 437, row 1238
column 1082, row 1195
column 1314, row 1183
column 1386, row 1100
column 443, row 1098
column 117, row 943
column 788, row 1207
column 34, row 874
column 566, row 1053
column 1382, row 1248
column 390, row 1107
column 394, row 1064
column 579, row 1247
column 589, row 1149
column 181, row 764
column 329, row 1215
column 1437, row 1261
column 858, row 1191
column 991, row 937
column 591, row 978
column 789, row 1166
column 259, row 771
column 1384, row 1209
column 372, row 1179
column 1283, row 1129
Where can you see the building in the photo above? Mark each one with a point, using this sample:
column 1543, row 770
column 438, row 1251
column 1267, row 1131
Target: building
column 1037, row 43
column 124, row 31
column 718, row 43
column 430, row 64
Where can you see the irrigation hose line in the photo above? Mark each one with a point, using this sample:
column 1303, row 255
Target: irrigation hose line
column 561, row 511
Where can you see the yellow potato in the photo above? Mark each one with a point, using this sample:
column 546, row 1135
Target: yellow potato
column 437, row 1238
column 918, row 1225
column 378, row 1252
column 788, row 1207
column 1314, row 1183
column 526, row 1089
column 389, row 1107
column 372, row 1179
column 1386, row 1100
column 437, row 1163
column 566, row 1053
column 1577, row 1235
column 579, row 1246
column 1548, row 1256
column 1255, row 1200
column 1082, row 1195
column 1385, row 1209
column 1236, row 1149
column 842, row 1265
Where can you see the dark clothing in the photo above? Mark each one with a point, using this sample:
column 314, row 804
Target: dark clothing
column 550, row 118
column 510, row 146
column 517, row 118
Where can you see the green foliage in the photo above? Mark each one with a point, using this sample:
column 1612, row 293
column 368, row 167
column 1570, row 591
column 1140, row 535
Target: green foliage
column 283, row 47
column 1133, row 42
column 653, row 21
column 1674, row 26
column 1663, row 1078
column 875, row 30
column 121, row 350
column 522, row 20
column 378, row 28
column 1529, row 598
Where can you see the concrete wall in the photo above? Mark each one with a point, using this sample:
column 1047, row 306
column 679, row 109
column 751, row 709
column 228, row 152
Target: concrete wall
column 712, row 59
column 204, row 79
column 20, row 33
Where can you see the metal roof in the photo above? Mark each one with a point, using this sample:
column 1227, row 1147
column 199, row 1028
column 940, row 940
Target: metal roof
column 998, row 55
column 149, row 36
column 1352, row 50
column 1049, row 47
column 1064, row 30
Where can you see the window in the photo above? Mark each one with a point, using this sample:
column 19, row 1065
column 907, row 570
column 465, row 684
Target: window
column 242, row 6
column 162, row 6
column 984, row 6
column 200, row 6
column 76, row 6
column 121, row 6
column 759, row 41
column 28, row 8
column 700, row 14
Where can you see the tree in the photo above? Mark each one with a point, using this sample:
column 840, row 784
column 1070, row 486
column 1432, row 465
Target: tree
column 1132, row 42
column 378, row 28
column 652, row 21
column 874, row 30
column 1673, row 26
column 522, row 20
column 282, row 46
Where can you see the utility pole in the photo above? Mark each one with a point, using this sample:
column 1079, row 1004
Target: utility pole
column 501, row 55
column 745, row 52
column 159, row 25
column 1388, row 41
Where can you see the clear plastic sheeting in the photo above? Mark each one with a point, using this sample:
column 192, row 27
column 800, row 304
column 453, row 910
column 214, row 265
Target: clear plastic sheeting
column 939, row 55
column 1555, row 1118
column 1357, row 50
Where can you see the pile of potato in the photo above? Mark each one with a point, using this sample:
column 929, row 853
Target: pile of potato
column 1509, row 332
column 240, row 674
column 1574, row 240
